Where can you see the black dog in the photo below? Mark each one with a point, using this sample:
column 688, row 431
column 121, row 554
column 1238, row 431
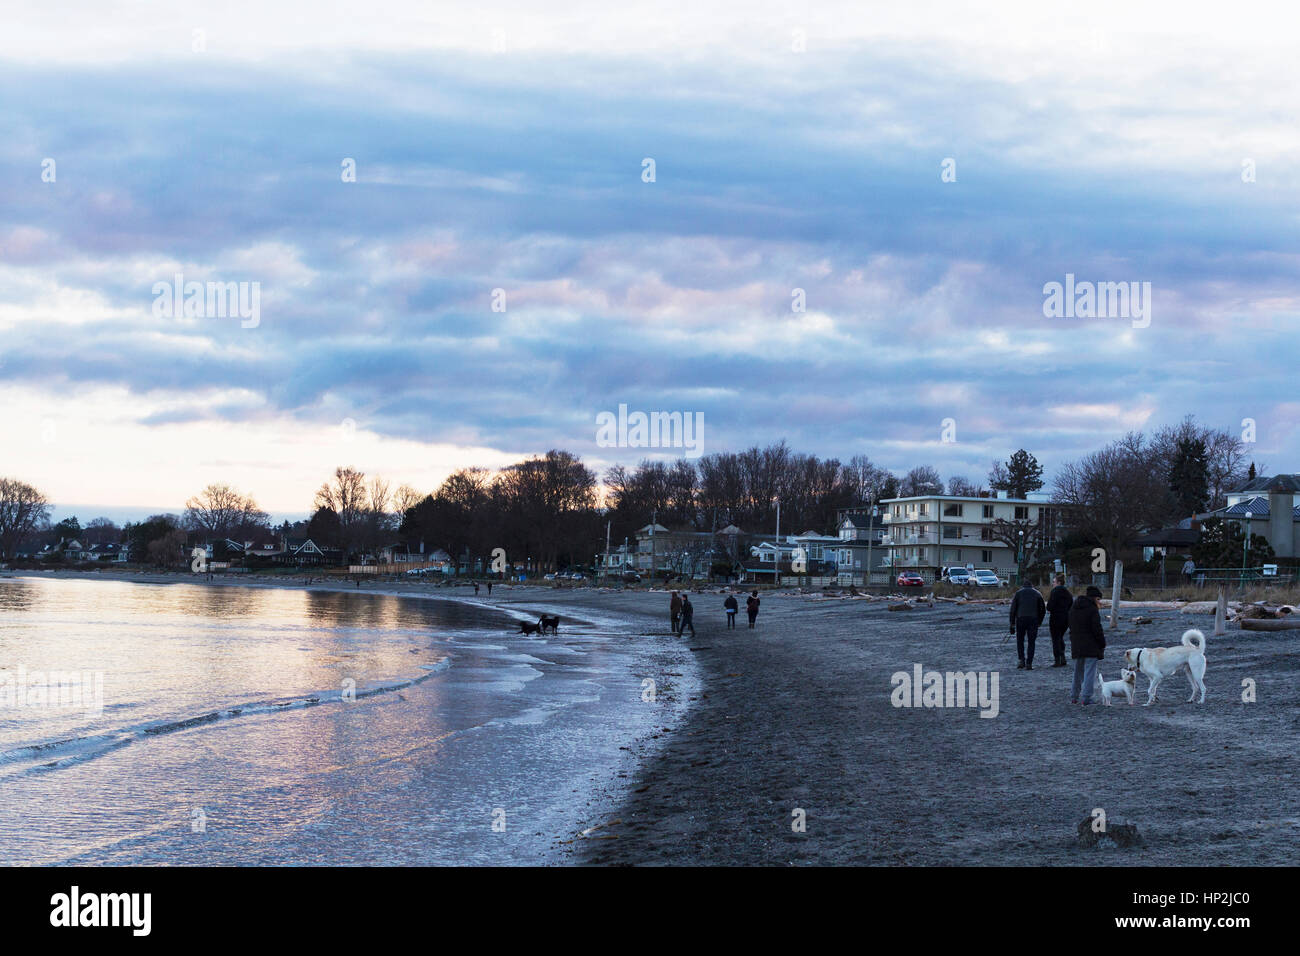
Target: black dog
column 527, row 628
column 549, row 620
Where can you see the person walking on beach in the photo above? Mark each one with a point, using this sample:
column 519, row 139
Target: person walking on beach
column 1087, row 643
column 732, row 607
column 687, row 617
column 751, row 608
column 489, row 589
column 1027, row 612
column 1058, row 619
column 1189, row 571
column 675, row 607
column 476, row 589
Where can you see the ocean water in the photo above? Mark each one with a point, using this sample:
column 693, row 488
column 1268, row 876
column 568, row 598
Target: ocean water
column 230, row 725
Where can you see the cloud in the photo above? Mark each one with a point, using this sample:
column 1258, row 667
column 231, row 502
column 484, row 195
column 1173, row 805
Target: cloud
column 522, row 172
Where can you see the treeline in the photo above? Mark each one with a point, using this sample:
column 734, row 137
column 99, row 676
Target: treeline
column 552, row 510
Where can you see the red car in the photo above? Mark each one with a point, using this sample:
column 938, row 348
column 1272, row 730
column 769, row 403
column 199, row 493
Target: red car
column 910, row 579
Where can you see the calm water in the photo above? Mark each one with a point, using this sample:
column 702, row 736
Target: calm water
column 226, row 734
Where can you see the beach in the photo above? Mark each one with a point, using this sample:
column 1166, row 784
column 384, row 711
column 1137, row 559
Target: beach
column 222, row 724
column 790, row 749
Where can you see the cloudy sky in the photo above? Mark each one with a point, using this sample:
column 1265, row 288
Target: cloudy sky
column 497, row 146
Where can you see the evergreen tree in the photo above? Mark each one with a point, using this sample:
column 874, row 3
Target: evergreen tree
column 1019, row 476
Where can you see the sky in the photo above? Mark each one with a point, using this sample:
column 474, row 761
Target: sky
column 921, row 174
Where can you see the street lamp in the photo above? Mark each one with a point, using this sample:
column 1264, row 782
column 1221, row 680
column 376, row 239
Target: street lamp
column 1245, row 550
column 1020, row 558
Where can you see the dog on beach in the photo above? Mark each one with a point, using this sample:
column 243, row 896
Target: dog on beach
column 1113, row 688
column 1157, row 663
column 527, row 627
column 551, row 621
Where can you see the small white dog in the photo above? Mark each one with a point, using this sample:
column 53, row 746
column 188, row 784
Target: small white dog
column 1113, row 688
column 1160, row 662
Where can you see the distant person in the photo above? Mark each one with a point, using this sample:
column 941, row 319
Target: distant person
column 476, row 589
column 1058, row 621
column 675, row 608
column 1189, row 571
column 489, row 584
column 751, row 607
column 1027, row 612
column 1087, row 643
column 732, row 607
column 687, row 617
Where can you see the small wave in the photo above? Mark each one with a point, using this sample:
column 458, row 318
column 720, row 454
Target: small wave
column 64, row 752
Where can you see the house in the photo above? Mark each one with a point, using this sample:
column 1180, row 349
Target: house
column 927, row 533
column 687, row 553
column 108, row 553
column 67, row 549
column 301, row 552
column 861, row 541
column 401, row 553
column 1273, row 506
column 799, row 557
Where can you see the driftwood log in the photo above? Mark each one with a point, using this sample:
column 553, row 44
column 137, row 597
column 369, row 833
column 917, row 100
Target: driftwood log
column 1269, row 624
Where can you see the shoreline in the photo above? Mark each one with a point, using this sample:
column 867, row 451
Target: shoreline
column 632, row 739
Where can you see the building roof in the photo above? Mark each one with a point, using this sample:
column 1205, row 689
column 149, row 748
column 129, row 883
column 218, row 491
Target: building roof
column 1284, row 484
column 1257, row 506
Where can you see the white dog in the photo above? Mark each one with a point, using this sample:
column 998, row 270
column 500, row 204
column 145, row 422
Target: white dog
column 1160, row 662
column 1113, row 688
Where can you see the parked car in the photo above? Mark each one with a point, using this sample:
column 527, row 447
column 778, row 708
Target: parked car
column 910, row 579
column 957, row 576
column 631, row 577
column 550, row 577
column 985, row 578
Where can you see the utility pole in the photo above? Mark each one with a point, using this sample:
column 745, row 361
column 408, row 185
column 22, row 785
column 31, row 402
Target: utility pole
column 871, row 534
column 607, row 524
column 654, row 520
column 778, row 541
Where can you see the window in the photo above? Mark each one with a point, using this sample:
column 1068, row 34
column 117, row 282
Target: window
column 952, row 531
column 952, row 510
column 925, row 509
column 986, row 557
column 1022, row 512
column 988, row 511
column 986, row 534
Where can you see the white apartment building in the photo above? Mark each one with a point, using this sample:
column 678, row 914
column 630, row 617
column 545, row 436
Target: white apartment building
column 929, row 532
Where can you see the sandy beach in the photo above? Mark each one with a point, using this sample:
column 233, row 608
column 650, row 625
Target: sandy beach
column 796, row 715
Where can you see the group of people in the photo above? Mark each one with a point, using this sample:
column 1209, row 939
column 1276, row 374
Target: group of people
column 683, row 612
column 1080, row 617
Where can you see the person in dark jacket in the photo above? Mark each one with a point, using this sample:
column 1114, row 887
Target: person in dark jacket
column 1027, row 612
column 1087, row 643
column 751, row 608
column 732, row 607
column 675, row 608
column 687, row 619
column 1058, row 618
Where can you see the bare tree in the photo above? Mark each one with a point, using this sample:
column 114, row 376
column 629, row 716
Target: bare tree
column 1116, row 492
column 348, row 497
column 219, row 511
column 404, row 499
column 962, row 486
column 921, row 480
column 23, row 510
